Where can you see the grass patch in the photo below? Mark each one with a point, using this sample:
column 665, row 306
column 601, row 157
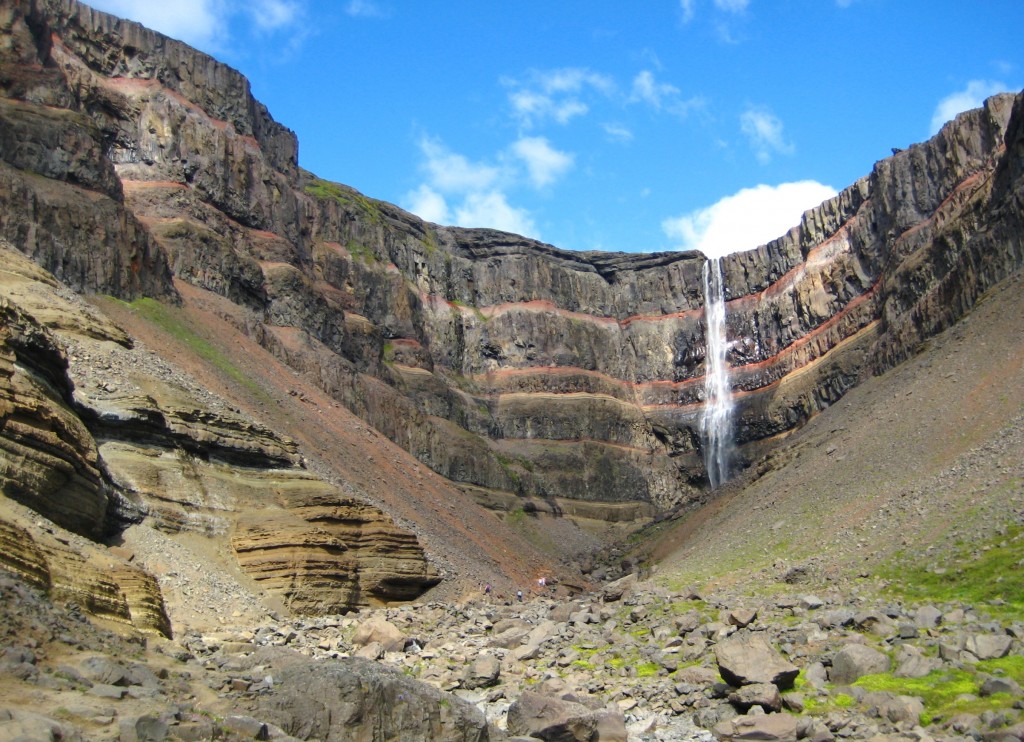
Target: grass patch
column 1011, row 666
column 989, row 572
column 946, row 693
column 325, row 190
column 584, row 664
column 169, row 321
column 516, row 516
column 647, row 670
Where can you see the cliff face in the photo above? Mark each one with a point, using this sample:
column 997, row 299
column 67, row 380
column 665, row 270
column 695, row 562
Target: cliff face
column 534, row 377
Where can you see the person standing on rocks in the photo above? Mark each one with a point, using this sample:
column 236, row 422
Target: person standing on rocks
column 519, row 595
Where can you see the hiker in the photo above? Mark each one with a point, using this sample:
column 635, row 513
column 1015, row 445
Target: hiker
column 519, row 595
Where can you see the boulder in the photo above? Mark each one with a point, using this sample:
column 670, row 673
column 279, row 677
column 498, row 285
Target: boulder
column 855, row 660
column 747, row 658
column 379, row 629
column 762, row 727
column 358, row 699
column 540, row 715
column 988, row 646
column 742, row 617
column 614, row 591
column 895, row 708
column 927, row 617
column 912, row 663
column 765, row 695
column 483, row 672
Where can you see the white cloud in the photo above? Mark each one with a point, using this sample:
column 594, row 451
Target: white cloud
column 964, row 100
column 744, row 220
column 273, row 14
column 472, row 194
column 544, row 163
column 427, row 204
column 617, row 132
column 661, row 95
column 491, row 209
column 366, row 9
column 201, row 23
column 646, row 89
column 732, row 6
column 555, row 94
column 764, row 132
column 451, row 172
column 686, row 6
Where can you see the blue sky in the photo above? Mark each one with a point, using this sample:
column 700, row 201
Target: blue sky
column 662, row 125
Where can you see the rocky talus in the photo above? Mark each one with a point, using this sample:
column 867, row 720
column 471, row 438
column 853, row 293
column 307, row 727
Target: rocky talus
column 634, row 663
column 557, row 382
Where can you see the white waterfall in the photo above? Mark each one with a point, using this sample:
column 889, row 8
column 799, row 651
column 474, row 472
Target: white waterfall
column 716, row 420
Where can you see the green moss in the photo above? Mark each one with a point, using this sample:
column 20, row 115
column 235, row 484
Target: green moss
column 360, row 252
column 1011, row 666
column 988, row 572
column 584, row 665
column 945, row 693
column 325, row 190
column 646, row 669
column 170, row 321
column 616, row 662
column 843, row 700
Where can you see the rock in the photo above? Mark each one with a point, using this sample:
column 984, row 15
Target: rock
column 483, row 672
column 614, row 591
column 988, row 646
column 114, row 692
column 855, row 660
column 247, row 726
column 748, row 658
column 17, row 724
column 992, row 685
column 145, row 728
column 542, row 716
column 894, row 707
column 912, row 663
column 927, row 617
column 767, row 727
column 765, row 695
column 335, row 699
column 378, row 629
column 106, row 671
column 742, row 617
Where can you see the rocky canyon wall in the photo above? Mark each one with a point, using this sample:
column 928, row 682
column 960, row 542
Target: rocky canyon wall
column 566, row 382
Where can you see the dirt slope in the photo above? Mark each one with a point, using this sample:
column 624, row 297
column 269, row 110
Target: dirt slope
column 471, row 545
column 927, row 455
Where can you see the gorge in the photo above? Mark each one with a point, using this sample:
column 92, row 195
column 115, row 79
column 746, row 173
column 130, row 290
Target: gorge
column 211, row 356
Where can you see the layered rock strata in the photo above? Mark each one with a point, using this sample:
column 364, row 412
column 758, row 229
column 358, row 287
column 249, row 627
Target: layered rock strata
column 96, row 435
column 552, row 380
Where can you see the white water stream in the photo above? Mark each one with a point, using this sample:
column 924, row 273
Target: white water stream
column 716, row 420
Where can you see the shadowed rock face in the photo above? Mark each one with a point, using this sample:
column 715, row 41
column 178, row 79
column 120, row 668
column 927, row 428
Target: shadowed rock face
column 530, row 374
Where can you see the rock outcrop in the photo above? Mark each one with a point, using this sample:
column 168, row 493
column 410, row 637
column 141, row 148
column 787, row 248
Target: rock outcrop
column 96, row 435
column 552, row 381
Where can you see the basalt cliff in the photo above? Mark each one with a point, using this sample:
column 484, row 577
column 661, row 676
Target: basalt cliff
column 476, row 371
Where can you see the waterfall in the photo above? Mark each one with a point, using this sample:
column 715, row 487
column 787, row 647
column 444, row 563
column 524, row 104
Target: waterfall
column 716, row 420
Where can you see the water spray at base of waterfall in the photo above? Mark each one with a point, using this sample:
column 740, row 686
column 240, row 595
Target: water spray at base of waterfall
column 716, row 420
